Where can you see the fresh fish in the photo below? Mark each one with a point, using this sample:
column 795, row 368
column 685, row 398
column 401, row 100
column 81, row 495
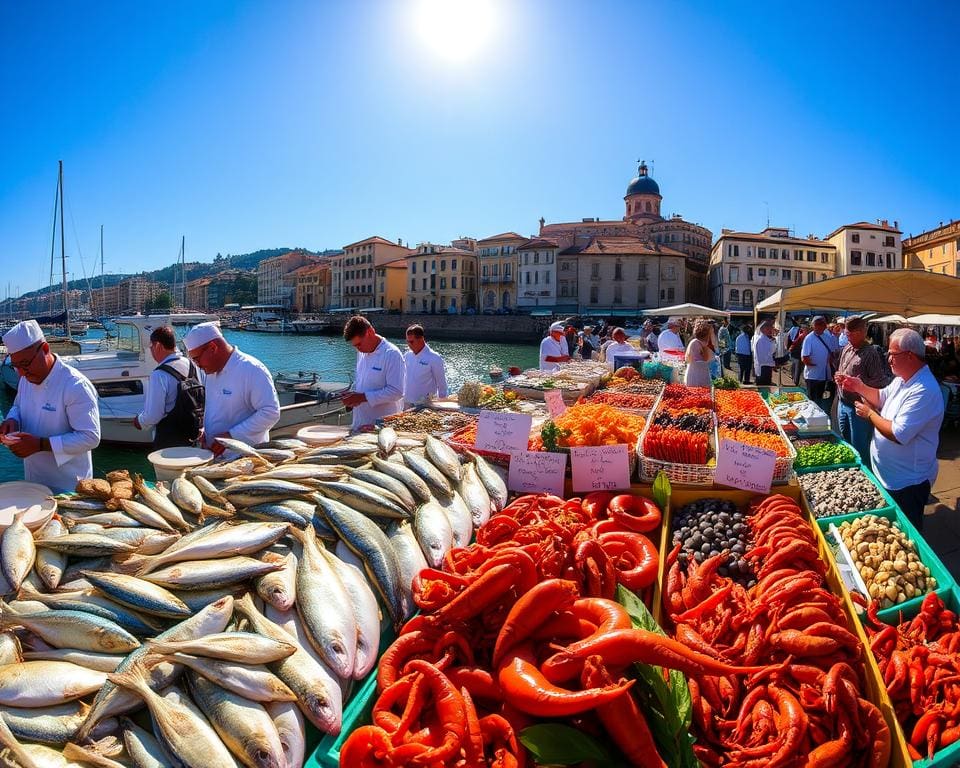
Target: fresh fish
column 240, row 447
column 330, row 461
column 342, row 551
column 217, row 542
column 281, row 512
column 13, row 753
column 49, row 725
column 322, row 603
column 377, row 490
column 223, row 470
column 370, row 543
column 106, row 519
column 145, row 515
column 399, row 471
column 87, row 601
column 49, row 564
column 276, row 455
column 411, row 560
column 439, row 485
column 387, row 440
column 245, row 727
column 186, row 495
column 209, row 510
column 111, row 701
column 252, row 681
column 279, row 588
column 84, row 545
column 492, row 481
column 209, row 574
column 363, row 499
column 475, row 496
column 387, row 483
column 71, row 629
column 101, row 662
column 92, row 528
column 443, row 457
column 209, row 490
column 99, row 754
column 142, row 747
column 318, row 691
column 138, row 594
column 365, row 612
column 148, row 541
column 432, row 528
column 244, row 647
column 186, row 734
column 198, row 599
column 158, row 502
column 290, row 727
column 345, row 451
column 249, row 492
column 9, row 649
column 46, row 683
column 17, row 552
column 78, row 503
column 301, row 472
column 461, row 521
column 284, row 444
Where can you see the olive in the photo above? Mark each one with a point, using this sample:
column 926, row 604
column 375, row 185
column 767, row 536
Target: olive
column 714, row 552
column 704, row 548
column 708, row 531
column 738, row 548
column 698, row 556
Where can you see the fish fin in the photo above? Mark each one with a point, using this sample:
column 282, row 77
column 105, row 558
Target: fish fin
column 133, row 564
column 133, row 678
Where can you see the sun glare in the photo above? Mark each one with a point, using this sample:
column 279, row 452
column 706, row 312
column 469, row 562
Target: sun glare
column 454, row 29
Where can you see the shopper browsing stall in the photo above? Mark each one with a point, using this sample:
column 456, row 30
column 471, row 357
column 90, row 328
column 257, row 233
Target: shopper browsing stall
column 817, row 355
column 863, row 361
column 764, row 351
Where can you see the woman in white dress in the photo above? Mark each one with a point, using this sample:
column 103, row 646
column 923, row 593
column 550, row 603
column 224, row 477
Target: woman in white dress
column 700, row 353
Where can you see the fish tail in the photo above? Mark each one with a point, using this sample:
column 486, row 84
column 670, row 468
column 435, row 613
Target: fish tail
column 133, row 678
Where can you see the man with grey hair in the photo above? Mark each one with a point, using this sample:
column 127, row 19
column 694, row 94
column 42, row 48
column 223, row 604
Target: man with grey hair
column 862, row 360
column 906, row 416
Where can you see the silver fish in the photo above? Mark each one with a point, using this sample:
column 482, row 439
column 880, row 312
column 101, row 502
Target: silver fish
column 432, row 528
column 284, row 444
column 443, row 457
column 76, row 502
column 461, row 521
column 148, row 541
column 279, row 588
column 9, row 649
column 142, row 747
column 17, row 552
column 399, row 471
column 244, row 725
column 209, row 574
column 99, row 754
column 276, row 455
column 49, row 725
column 244, row 647
column 250, row 492
column 282, row 512
column 363, row 499
column 145, row 515
column 475, row 496
column 87, row 601
column 240, row 447
column 345, row 451
column 84, row 545
column 46, row 683
column 138, row 594
column 252, row 681
column 300, row 472
column 186, row 495
column 198, row 599
column 72, row 629
column 186, row 734
column 439, row 485
column 158, row 502
column 365, row 612
column 492, row 481
column 290, row 727
column 386, row 482
column 50, row 565
column 387, row 440
column 223, row 470
column 209, row 490
column 106, row 519
column 411, row 560
column 101, row 662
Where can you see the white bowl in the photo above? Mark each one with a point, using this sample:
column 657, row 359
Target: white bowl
column 323, row 434
column 18, row 496
column 170, row 463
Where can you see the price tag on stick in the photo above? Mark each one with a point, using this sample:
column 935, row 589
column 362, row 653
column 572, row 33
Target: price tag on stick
column 745, row 466
column 554, row 400
column 537, row 472
column 604, row 468
column 503, row 432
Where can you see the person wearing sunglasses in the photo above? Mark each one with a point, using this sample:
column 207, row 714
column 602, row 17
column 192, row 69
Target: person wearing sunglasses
column 54, row 423
column 906, row 416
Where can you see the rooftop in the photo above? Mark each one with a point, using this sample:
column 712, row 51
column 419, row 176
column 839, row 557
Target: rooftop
column 502, row 236
column 623, row 245
column 773, row 240
column 883, row 226
column 374, row 240
column 538, row 242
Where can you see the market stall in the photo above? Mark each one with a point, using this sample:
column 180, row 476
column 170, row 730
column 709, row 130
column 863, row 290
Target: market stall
column 643, row 574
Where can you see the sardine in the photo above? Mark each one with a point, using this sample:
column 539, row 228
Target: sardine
column 186, row 495
column 276, row 455
column 223, row 470
column 209, row 490
column 243, row 647
column 399, row 471
column 300, row 472
column 209, row 574
column 10, row 652
column 252, row 681
column 84, row 545
column 365, row 613
column 49, row 564
column 281, row 512
column 439, row 485
column 142, row 747
column 241, row 448
column 145, row 515
column 443, row 457
column 461, row 521
column 284, row 444
column 78, row 503
column 46, row 683
column 158, row 502
column 386, row 482
column 290, row 727
column 345, row 451
column 475, row 496
column 49, row 725
column 72, row 629
column 279, row 588
column 492, row 481
column 249, row 492
column 386, row 440
column 411, row 560
column 17, row 552
column 432, row 528
column 101, row 662
column 106, row 519
column 138, row 594
column 87, row 601
column 363, row 499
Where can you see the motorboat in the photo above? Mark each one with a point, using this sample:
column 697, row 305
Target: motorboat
column 308, row 326
column 268, row 322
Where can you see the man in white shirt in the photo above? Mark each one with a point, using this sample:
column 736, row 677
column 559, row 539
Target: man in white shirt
column 424, row 373
column 669, row 338
column 906, row 416
column 553, row 349
column 241, row 400
column 817, row 356
column 54, row 422
column 172, row 429
column 379, row 377
column 743, row 346
column 620, row 347
column 764, row 351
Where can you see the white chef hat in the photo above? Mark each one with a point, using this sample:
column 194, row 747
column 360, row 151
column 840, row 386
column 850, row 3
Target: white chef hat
column 556, row 327
column 22, row 335
column 201, row 334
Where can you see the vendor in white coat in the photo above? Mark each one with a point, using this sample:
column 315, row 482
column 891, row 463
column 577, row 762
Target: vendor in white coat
column 424, row 373
column 619, row 347
column 379, row 377
column 553, row 349
column 241, row 400
column 54, row 423
column 669, row 338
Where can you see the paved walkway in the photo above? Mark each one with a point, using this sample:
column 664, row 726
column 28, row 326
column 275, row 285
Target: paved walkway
column 941, row 526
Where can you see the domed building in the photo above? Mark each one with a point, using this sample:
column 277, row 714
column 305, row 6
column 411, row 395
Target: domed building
column 643, row 197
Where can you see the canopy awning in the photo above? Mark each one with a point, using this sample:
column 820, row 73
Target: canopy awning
column 687, row 310
column 919, row 319
column 905, row 292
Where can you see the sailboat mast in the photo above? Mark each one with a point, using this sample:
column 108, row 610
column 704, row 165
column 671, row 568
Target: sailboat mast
column 53, row 245
column 63, row 261
column 103, row 290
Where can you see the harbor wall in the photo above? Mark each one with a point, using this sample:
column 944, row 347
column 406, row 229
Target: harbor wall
column 500, row 328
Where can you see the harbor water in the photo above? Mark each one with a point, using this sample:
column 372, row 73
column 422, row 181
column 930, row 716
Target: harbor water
column 333, row 360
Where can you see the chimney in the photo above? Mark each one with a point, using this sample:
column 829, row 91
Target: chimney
column 896, row 224
column 399, row 241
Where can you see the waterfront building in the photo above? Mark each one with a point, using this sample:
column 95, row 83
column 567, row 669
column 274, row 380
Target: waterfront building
column 498, row 263
column 126, row 297
column 651, row 233
column 747, row 267
column 229, row 285
column 866, row 247
column 275, row 281
column 352, row 273
column 537, row 275
column 936, row 250
column 391, row 279
column 312, row 288
column 441, row 279
column 195, row 294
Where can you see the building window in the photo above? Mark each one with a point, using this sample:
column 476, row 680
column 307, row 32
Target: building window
column 785, row 273
column 443, row 265
column 453, row 283
column 671, row 293
column 618, row 294
column 773, row 272
column 774, row 253
column 671, row 272
column 734, row 274
column 496, row 270
column 563, row 289
column 888, row 241
column 546, row 277
column 453, row 264
column 855, row 237
column 735, row 251
column 747, row 297
column 594, row 294
column 811, row 276
column 762, row 253
column 413, row 267
column 648, row 206
column 536, row 257
column 856, row 258
column 641, row 295
column 528, row 277
column 413, row 283
column 871, row 259
column 749, row 251
column 734, row 296
column 811, row 255
column 565, row 266
column 618, row 270
column 824, row 258
column 642, row 271
column 536, row 277
column 443, row 283
column 761, row 294
column 749, row 274
column 484, row 270
column 797, row 255
column 595, row 270
column 761, row 271
column 424, row 283
column 889, row 261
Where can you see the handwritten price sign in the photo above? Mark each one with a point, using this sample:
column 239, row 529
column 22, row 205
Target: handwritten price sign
column 745, row 466
column 537, row 472
column 554, row 400
column 604, row 468
column 503, row 432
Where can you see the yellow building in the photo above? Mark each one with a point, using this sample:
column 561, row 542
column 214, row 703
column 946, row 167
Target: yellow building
column 937, row 250
column 499, row 264
column 441, row 279
column 391, row 284
column 312, row 288
column 352, row 272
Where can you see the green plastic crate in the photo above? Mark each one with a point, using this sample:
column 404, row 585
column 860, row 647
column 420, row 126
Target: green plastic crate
column 888, row 499
column 849, row 465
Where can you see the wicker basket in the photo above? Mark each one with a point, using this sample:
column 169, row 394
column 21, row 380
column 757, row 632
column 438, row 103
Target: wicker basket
column 678, row 474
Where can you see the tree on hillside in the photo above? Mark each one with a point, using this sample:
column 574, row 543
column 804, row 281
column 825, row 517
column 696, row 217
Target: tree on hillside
column 162, row 302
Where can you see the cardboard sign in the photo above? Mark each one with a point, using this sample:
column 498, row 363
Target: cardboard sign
column 503, row 432
column 554, row 400
column 745, row 466
column 537, row 472
column 604, row 468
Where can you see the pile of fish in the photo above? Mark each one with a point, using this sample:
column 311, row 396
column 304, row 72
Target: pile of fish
column 221, row 611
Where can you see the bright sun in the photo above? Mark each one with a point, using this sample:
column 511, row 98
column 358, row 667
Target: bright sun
column 454, row 29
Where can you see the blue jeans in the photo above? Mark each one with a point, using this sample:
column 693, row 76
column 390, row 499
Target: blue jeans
column 856, row 431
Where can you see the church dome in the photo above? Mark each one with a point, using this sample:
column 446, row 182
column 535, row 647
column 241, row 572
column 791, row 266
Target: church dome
column 642, row 184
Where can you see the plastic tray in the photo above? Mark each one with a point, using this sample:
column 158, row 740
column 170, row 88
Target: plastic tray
column 889, row 504
column 824, row 467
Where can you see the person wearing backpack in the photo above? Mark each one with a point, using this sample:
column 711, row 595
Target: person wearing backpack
column 175, row 396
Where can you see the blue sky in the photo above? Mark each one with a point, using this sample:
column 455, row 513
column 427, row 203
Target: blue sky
column 247, row 125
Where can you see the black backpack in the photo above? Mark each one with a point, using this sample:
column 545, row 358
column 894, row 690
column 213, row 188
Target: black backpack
column 186, row 417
